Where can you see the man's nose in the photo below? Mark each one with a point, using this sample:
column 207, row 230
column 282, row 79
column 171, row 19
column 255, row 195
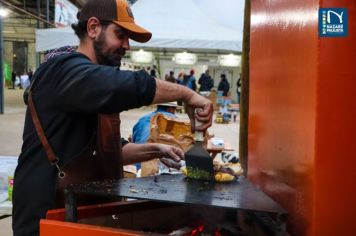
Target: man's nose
column 126, row 44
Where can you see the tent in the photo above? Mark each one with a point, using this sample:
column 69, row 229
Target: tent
column 47, row 39
column 182, row 24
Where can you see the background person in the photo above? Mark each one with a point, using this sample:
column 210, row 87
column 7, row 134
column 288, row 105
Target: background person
column 30, row 74
column 171, row 77
column 180, row 78
column 238, row 90
column 24, row 80
column 153, row 73
column 224, row 85
column 13, row 79
column 141, row 130
column 189, row 81
column 206, row 82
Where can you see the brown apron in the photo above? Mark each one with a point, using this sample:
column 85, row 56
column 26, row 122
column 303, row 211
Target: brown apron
column 101, row 159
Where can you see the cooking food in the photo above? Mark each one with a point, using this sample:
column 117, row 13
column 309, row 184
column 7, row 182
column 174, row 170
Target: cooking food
column 224, row 172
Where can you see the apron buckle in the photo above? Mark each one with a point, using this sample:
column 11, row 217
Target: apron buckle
column 61, row 173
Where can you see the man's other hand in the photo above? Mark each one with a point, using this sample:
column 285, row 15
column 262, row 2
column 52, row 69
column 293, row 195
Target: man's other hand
column 170, row 155
column 204, row 113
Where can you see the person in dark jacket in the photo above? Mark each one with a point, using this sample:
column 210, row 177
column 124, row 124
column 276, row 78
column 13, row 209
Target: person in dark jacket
column 224, row 85
column 238, row 90
column 153, row 73
column 70, row 97
column 13, row 79
column 171, row 77
column 206, row 82
column 30, row 75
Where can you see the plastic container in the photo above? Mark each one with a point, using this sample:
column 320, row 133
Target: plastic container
column 10, row 178
column 3, row 180
column 7, row 169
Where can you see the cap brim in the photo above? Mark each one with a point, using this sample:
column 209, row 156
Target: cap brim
column 137, row 33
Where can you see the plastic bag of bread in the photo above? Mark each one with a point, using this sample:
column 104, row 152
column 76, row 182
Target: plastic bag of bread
column 168, row 130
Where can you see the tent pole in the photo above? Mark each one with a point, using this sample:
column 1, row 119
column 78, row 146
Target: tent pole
column 158, row 65
column 47, row 13
column 38, row 26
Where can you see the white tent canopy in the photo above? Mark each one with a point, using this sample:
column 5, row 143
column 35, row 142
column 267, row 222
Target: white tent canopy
column 47, row 39
column 183, row 24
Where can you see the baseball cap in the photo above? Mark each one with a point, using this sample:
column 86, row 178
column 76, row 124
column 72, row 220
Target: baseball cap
column 117, row 11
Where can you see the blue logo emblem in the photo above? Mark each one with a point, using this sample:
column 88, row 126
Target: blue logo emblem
column 333, row 22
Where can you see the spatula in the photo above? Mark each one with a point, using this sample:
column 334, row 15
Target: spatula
column 198, row 161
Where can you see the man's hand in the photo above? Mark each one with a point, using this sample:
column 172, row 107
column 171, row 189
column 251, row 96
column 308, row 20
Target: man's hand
column 167, row 92
column 134, row 153
column 204, row 113
column 170, row 155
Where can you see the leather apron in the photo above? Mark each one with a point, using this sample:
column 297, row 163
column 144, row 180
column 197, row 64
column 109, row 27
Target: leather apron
column 100, row 160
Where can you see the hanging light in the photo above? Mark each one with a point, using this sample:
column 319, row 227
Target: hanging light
column 230, row 60
column 185, row 58
column 3, row 12
column 142, row 56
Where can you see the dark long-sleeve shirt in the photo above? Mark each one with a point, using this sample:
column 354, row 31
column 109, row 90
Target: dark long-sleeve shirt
column 68, row 92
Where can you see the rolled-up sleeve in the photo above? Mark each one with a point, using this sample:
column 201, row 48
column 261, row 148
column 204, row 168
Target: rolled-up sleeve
column 82, row 86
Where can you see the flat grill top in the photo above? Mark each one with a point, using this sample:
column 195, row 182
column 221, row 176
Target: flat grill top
column 240, row 194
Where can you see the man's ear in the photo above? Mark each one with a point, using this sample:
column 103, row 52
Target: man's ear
column 93, row 27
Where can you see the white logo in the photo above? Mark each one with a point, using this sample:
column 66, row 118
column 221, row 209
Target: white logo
column 336, row 14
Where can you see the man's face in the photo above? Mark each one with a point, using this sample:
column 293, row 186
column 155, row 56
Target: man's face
column 171, row 110
column 111, row 44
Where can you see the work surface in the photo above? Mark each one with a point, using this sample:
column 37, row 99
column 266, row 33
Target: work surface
column 239, row 194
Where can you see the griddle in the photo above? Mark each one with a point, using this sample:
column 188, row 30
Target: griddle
column 240, row 194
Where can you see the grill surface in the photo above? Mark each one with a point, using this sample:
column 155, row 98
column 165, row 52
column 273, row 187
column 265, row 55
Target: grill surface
column 240, row 194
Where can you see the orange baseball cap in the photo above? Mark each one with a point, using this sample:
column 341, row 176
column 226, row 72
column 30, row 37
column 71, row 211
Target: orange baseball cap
column 117, row 11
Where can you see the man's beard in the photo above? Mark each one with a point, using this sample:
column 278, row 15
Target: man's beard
column 103, row 56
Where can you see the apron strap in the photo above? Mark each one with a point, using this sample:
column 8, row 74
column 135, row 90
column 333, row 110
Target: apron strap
column 108, row 140
column 36, row 121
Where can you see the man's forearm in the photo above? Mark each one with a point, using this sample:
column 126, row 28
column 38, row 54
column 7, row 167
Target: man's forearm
column 134, row 153
column 167, row 91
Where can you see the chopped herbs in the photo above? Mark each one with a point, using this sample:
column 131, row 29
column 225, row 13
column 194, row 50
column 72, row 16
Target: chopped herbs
column 198, row 174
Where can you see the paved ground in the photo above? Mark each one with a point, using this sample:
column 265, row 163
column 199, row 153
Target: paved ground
column 11, row 127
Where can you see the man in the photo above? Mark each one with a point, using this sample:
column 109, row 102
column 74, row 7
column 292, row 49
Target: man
column 13, row 79
column 189, row 81
column 224, row 85
column 63, row 134
column 171, row 77
column 238, row 90
column 153, row 73
column 206, row 82
column 30, row 74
